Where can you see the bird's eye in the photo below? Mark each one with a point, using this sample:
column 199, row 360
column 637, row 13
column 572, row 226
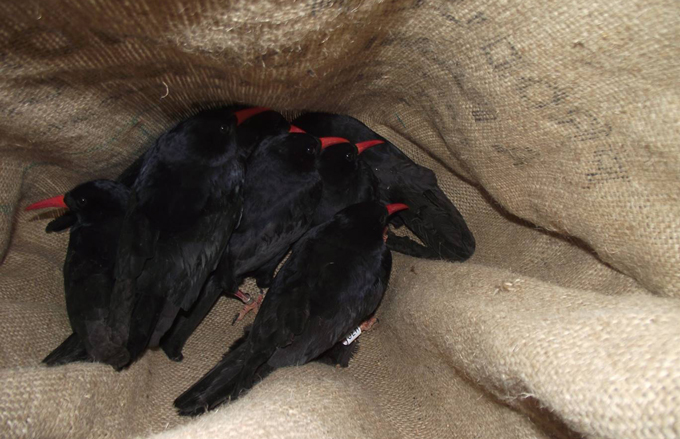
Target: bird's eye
column 310, row 150
column 81, row 202
column 349, row 156
column 223, row 128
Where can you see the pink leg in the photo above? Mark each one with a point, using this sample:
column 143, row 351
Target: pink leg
column 252, row 304
column 368, row 324
column 243, row 297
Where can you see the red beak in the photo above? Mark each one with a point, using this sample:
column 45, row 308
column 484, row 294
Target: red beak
column 328, row 141
column 395, row 207
column 57, row 201
column 243, row 115
column 363, row 146
column 294, row 129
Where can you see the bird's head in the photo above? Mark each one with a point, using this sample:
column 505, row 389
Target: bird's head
column 300, row 151
column 303, row 149
column 257, row 128
column 339, row 160
column 208, row 135
column 87, row 202
column 371, row 217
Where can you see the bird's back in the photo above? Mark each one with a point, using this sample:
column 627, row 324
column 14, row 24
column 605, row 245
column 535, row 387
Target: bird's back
column 331, row 283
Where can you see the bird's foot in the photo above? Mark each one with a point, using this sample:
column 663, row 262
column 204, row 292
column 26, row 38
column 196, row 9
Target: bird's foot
column 251, row 305
column 385, row 235
column 368, row 324
column 243, row 297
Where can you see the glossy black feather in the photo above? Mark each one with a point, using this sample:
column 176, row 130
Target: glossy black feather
column 334, row 279
column 347, row 180
column 70, row 350
column 95, row 215
column 183, row 208
column 73, row 348
column 431, row 215
column 281, row 191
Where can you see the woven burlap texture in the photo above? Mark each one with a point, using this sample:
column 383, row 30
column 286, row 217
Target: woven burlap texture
column 553, row 126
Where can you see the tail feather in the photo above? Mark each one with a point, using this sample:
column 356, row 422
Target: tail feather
column 145, row 317
column 104, row 344
column 165, row 321
column 216, row 386
column 70, row 350
column 235, row 374
column 186, row 323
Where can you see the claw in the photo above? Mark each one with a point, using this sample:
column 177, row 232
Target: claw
column 368, row 324
column 252, row 305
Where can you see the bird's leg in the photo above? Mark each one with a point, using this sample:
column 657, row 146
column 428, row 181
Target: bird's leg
column 250, row 305
column 385, row 235
column 243, row 297
column 368, row 324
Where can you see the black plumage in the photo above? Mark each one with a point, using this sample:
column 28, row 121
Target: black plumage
column 71, row 350
column 281, row 191
column 347, row 180
column 431, row 215
column 283, row 197
column 183, row 208
column 334, row 279
column 95, row 215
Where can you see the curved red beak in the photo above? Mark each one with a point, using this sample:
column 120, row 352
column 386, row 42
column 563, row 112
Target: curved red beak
column 395, row 207
column 328, row 141
column 243, row 115
column 294, row 129
column 363, row 146
column 57, row 201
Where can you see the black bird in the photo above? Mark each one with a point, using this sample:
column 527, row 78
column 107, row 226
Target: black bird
column 73, row 348
column 183, row 208
column 431, row 215
column 281, row 191
column 95, row 213
column 334, row 279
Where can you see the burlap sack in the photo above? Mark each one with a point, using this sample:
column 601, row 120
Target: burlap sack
column 553, row 126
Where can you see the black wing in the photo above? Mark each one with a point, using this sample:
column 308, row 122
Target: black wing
column 432, row 217
column 325, row 290
column 313, row 302
column 277, row 211
column 162, row 263
column 436, row 221
column 88, row 283
column 273, row 222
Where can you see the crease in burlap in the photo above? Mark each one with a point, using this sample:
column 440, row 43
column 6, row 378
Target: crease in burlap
column 565, row 116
